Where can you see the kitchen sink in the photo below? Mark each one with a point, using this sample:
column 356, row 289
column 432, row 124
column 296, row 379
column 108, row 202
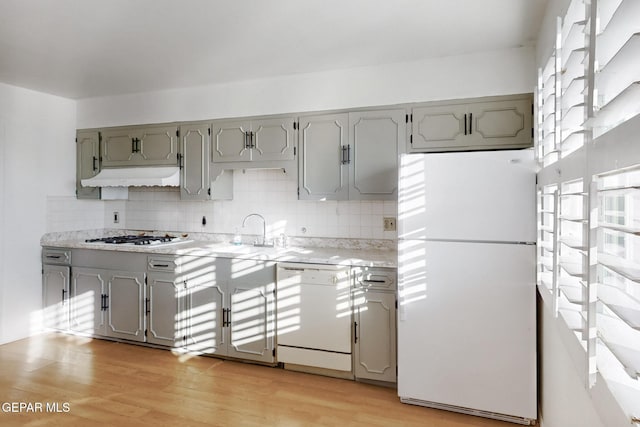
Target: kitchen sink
column 260, row 252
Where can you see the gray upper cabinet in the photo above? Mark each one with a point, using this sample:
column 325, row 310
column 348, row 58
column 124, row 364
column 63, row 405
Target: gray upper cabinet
column 375, row 137
column 323, row 172
column 439, row 126
column 87, row 162
column 231, row 141
column 351, row 155
column 254, row 140
column 273, row 139
column 474, row 124
column 140, row 146
column 194, row 161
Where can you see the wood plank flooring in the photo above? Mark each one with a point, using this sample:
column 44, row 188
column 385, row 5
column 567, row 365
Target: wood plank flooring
column 112, row 384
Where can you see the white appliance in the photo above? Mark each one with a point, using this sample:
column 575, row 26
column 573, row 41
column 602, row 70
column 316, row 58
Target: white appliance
column 314, row 317
column 466, row 271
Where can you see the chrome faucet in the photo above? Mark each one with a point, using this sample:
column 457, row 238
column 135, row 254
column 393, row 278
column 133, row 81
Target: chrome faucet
column 264, row 230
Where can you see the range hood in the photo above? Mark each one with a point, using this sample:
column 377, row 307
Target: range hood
column 165, row 176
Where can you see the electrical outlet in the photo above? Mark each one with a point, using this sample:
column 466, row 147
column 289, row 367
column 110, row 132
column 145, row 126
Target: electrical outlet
column 116, row 217
column 389, row 223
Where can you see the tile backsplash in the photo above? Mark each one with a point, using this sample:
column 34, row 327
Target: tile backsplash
column 68, row 214
column 270, row 193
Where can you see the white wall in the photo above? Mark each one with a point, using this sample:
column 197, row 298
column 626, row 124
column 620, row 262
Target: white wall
column 37, row 134
column 481, row 74
column 2, row 223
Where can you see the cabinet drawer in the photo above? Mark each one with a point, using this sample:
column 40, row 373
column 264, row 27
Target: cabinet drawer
column 162, row 263
column 380, row 279
column 56, row 256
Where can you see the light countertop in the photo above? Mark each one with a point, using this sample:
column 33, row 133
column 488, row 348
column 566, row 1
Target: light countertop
column 349, row 253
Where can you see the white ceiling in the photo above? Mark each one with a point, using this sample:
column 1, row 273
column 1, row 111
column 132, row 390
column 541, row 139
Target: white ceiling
column 87, row 48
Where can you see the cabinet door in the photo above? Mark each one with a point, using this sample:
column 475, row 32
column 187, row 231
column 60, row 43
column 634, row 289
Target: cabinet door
column 273, row 139
column 55, row 296
column 205, row 333
column 230, row 142
column 165, row 310
column 119, row 147
column 375, row 337
column 194, row 164
column 322, row 173
column 251, row 317
column 502, row 124
column 439, row 127
column 474, row 124
column 87, row 162
column 157, row 145
column 374, row 141
column 251, row 328
column 125, row 305
column 87, row 309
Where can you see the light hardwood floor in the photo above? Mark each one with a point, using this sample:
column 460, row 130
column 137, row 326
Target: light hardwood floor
column 113, row 384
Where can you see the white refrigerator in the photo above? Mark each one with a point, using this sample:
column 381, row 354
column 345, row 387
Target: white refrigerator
column 466, row 271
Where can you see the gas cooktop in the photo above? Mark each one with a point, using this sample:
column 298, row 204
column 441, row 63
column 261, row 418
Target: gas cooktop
column 134, row 240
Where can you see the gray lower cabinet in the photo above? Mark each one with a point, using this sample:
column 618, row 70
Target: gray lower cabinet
column 55, row 296
column 164, row 309
column 217, row 306
column 351, row 155
column 108, row 303
column 183, row 312
column 87, row 162
column 125, row 305
column 88, row 287
column 374, row 316
column 140, row 146
column 251, row 312
column 204, row 329
column 235, row 315
column 473, row 124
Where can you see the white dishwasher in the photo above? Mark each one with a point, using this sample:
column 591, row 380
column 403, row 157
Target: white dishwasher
column 314, row 316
